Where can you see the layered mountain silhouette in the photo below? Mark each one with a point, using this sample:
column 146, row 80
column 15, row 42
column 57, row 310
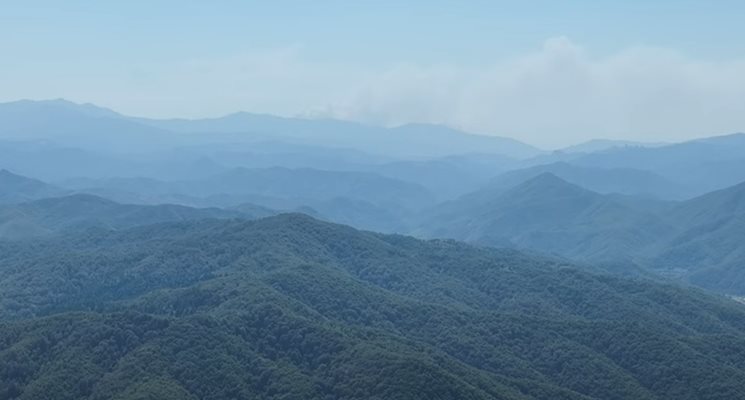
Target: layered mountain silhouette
column 172, row 271
column 15, row 188
column 697, row 240
column 55, row 215
column 90, row 126
column 708, row 244
column 705, row 164
column 549, row 214
column 627, row 181
column 365, row 199
column 596, row 145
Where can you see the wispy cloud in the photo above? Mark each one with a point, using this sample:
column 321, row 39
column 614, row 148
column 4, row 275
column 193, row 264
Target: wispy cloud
column 561, row 95
column 556, row 95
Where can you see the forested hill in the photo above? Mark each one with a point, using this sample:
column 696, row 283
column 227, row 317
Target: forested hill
column 51, row 216
column 288, row 307
column 551, row 215
column 15, row 188
column 697, row 241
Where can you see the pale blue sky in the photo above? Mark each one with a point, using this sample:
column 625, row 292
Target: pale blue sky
column 363, row 31
column 380, row 61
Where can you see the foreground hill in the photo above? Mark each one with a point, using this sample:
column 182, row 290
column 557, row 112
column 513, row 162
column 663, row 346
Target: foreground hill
column 289, row 307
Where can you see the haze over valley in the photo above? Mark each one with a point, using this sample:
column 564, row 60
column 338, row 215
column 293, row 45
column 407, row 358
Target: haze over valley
column 335, row 201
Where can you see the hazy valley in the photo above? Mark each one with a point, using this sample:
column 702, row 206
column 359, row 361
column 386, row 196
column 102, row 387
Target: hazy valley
column 260, row 257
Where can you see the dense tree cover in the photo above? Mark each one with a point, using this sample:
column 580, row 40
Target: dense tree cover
column 72, row 212
column 624, row 181
column 551, row 215
column 698, row 241
column 292, row 308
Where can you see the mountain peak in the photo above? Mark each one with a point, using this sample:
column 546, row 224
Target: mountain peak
column 62, row 105
column 16, row 188
column 547, row 184
column 5, row 173
column 713, row 206
column 9, row 178
column 737, row 138
column 545, row 179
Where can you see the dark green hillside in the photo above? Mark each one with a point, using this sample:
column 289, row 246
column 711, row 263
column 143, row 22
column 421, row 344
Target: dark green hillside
column 292, row 308
column 551, row 215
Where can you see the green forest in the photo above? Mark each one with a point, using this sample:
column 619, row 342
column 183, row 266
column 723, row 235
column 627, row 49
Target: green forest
column 289, row 307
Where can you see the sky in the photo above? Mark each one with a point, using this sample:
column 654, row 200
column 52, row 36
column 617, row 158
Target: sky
column 549, row 73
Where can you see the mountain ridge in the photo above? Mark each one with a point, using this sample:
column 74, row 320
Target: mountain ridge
column 21, row 119
column 294, row 308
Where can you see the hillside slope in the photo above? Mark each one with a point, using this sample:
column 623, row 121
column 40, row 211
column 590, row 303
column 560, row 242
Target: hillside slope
column 79, row 211
column 17, row 189
column 548, row 214
column 289, row 307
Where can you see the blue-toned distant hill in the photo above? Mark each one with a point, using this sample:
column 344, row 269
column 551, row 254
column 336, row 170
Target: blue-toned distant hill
column 89, row 126
column 708, row 246
column 698, row 240
column 366, row 200
column 57, row 214
column 595, row 145
column 704, row 165
column 79, row 125
column 413, row 140
column 548, row 214
column 627, row 181
column 17, row 189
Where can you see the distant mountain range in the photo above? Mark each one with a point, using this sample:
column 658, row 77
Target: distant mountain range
column 671, row 210
column 596, row 145
column 197, row 259
column 705, row 164
column 58, row 214
column 92, row 127
column 16, row 188
column 364, row 199
column 621, row 180
column 696, row 240
column 549, row 214
column 58, row 140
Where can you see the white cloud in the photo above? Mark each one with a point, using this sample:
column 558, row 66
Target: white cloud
column 560, row 95
column 554, row 96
